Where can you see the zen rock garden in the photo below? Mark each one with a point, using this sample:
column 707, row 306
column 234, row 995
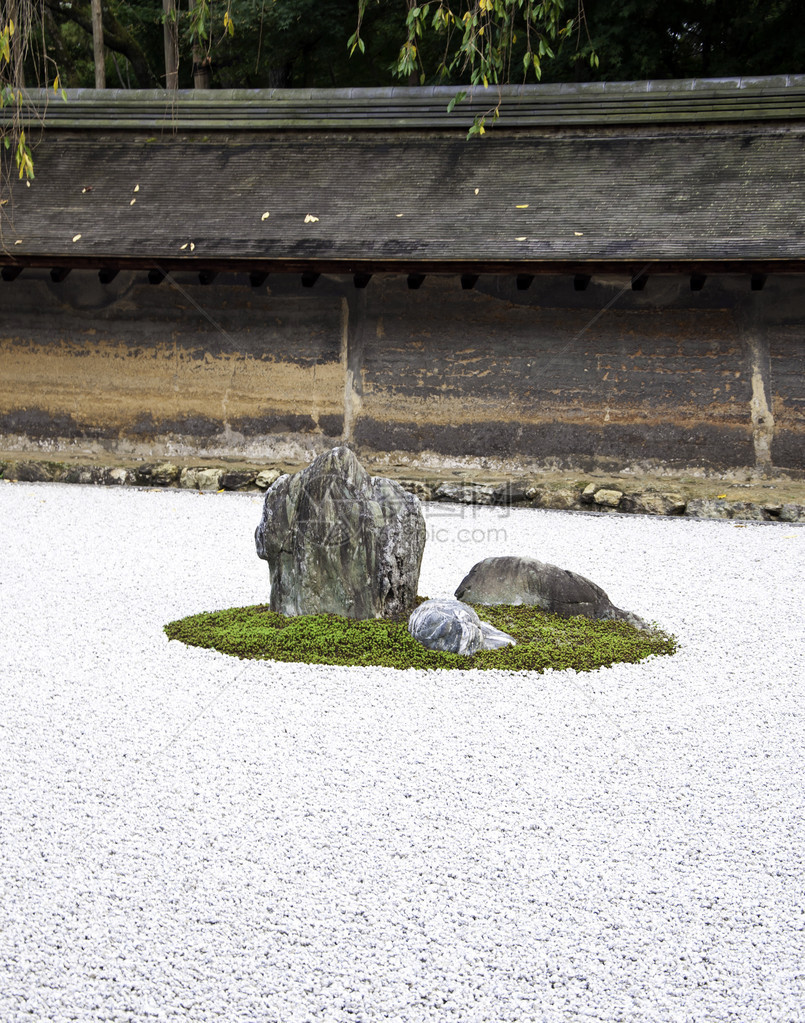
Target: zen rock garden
column 340, row 541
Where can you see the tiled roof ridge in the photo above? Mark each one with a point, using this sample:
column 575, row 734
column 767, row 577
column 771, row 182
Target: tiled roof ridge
column 653, row 101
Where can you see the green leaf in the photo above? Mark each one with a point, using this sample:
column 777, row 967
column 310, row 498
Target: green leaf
column 459, row 96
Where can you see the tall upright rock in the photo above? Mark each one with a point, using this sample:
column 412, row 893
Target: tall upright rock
column 338, row 540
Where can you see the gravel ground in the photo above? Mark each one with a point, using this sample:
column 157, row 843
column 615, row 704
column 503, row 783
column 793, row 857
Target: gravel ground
column 185, row 836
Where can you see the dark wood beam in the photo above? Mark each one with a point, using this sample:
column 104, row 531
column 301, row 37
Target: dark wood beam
column 581, row 282
column 415, row 281
column 697, row 281
column 468, row 281
column 361, row 280
column 107, row 274
column 309, row 278
column 533, row 268
column 757, row 282
column 59, row 273
column 11, row 273
column 207, row 276
column 524, row 281
column 156, row 276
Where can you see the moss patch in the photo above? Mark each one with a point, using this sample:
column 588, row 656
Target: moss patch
column 543, row 641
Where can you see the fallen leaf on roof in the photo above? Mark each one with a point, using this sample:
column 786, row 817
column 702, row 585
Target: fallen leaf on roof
column 265, row 216
column 399, row 214
column 520, row 239
column 76, row 237
column 3, row 202
column 192, row 246
column 310, row 219
column 183, row 247
column 133, row 201
column 720, row 497
column 86, row 188
column 523, row 207
column 18, row 241
column 477, row 190
column 136, row 188
column 578, row 234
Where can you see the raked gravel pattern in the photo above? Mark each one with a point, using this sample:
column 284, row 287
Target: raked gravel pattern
column 185, row 836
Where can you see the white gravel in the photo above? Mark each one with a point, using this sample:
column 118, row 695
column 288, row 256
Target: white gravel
column 185, row 836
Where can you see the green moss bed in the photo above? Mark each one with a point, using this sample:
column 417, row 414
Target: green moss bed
column 543, row 641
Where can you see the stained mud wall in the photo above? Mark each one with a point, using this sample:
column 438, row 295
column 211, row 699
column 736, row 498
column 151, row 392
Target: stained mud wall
column 549, row 375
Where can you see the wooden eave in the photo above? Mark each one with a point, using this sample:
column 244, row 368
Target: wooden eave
column 693, row 177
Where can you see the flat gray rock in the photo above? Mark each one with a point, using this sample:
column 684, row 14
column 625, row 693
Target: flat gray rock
column 514, row 580
column 454, row 627
column 339, row 541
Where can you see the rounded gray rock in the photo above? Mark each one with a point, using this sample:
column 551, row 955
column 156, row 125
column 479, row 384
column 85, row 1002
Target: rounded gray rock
column 515, row 580
column 454, row 627
column 447, row 625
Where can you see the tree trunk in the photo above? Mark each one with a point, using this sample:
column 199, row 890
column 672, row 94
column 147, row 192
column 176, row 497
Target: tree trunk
column 97, row 45
column 171, row 39
column 201, row 62
column 116, row 37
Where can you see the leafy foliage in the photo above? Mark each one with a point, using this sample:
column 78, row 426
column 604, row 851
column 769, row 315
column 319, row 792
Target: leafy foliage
column 13, row 136
column 543, row 641
column 483, row 42
column 291, row 43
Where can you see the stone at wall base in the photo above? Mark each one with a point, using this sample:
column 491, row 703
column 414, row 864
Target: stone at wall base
column 653, row 504
column 465, row 493
column 706, row 508
column 157, row 474
column 522, row 493
column 200, row 478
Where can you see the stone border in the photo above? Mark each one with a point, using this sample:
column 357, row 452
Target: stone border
column 594, row 497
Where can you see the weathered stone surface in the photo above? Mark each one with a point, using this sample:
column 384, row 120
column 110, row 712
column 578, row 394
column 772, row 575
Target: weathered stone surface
column 650, row 503
column 29, row 472
column 588, row 493
column 563, row 499
column 514, row 580
column 200, row 478
column 455, row 628
column 516, row 492
column 465, row 493
column 157, row 474
column 115, row 477
column 339, row 541
column 791, row 512
column 83, row 474
column 237, row 479
column 608, row 498
column 264, row 479
column 715, row 508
